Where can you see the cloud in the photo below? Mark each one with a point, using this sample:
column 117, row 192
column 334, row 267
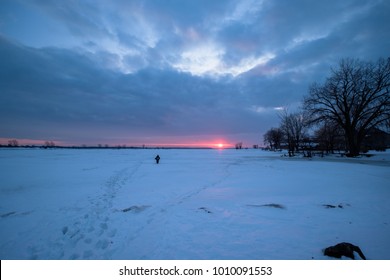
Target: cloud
column 72, row 93
column 132, row 69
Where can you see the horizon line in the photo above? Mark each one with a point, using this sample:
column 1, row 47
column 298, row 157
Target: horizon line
column 4, row 142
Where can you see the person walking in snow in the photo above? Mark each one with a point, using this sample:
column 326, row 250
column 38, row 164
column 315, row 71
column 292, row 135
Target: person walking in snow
column 157, row 158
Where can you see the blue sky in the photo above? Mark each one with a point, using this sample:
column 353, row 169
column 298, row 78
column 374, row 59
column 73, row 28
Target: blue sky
column 171, row 72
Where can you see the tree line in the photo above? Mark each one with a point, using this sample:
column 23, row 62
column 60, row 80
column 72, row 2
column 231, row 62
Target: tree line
column 349, row 112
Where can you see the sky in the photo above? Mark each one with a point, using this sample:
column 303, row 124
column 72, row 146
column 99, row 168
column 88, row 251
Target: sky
column 173, row 72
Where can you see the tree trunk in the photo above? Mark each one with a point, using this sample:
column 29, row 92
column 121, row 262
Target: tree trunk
column 354, row 150
column 353, row 144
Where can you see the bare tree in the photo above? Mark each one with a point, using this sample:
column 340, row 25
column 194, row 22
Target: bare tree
column 293, row 126
column 329, row 137
column 356, row 96
column 49, row 144
column 239, row 145
column 273, row 138
column 13, row 143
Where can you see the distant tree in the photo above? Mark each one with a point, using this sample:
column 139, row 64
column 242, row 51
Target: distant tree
column 330, row 137
column 293, row 126
column 13, row 143
column 239, row 145
column 356, row 96
column 49, row 144
column 273, row 138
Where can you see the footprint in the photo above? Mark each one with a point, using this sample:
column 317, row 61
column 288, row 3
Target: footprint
column 112, row 233
column 64, row 230
column 88, row 241
column 91, row 229
column 102, row 244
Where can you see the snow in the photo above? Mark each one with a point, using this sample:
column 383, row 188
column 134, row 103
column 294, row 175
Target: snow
column 196, row 204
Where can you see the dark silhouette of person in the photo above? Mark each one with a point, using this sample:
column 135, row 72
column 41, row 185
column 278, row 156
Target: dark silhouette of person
column 157, row 158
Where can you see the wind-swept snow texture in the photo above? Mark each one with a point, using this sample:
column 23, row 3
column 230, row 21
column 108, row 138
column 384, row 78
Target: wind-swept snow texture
column 195, row 204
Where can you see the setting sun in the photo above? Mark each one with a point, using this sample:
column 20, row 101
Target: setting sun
column 220, row 145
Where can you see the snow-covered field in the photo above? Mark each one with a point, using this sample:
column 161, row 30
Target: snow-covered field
column 196, row 204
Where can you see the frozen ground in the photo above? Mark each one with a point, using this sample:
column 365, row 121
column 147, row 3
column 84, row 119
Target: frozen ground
column 196, row 204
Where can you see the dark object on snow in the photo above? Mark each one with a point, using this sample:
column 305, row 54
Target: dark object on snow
column 157, row 158
column 332, row 206
column 343, row 249
column 135, row 208
column 273, row 205
column 341, row 205
column 7, row 214
column 205, row 209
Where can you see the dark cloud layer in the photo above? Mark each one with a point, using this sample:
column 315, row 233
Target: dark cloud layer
column 171, row 71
